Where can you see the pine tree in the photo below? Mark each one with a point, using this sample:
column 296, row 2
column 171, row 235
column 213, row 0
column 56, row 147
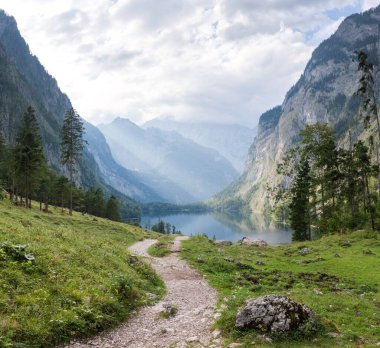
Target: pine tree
column 369, row 109
column 29, row 156
column 72, row 145
column 299, row 206
column 112, row 209
column 98, row 203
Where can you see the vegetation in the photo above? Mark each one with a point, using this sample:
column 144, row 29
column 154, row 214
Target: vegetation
column 78, row 277
column 337, row 279
column 162, row 247
column 167, row 208
column 24, row 172
column 330, row 188
column 72, row 145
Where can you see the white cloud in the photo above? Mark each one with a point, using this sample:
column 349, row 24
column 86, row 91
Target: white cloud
column 221, row 60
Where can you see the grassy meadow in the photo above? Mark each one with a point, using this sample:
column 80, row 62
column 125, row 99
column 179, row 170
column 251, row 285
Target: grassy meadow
column 339, row 279
column 82, row 279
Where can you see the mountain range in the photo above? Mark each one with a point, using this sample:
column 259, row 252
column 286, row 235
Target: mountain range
column 180, row 170
column 231, row 140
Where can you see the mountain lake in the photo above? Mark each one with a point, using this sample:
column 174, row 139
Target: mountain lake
column 223, row 226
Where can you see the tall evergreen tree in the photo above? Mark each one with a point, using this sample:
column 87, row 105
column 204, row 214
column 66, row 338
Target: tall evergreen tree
column 29, row 156
column 112, row 209
column 299, row 206
column 72, row 145
column 369, row 108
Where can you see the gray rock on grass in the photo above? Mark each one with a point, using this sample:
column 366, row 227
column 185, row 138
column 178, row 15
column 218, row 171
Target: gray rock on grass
column 274, row 314
column 254, row 242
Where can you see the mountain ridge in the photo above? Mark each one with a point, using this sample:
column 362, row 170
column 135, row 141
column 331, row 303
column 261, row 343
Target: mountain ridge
column 325, row 93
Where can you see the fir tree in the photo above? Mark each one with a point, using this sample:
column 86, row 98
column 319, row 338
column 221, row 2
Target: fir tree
column 112, row 209
column 299, row 206
column 72, row 145
column 28, row 155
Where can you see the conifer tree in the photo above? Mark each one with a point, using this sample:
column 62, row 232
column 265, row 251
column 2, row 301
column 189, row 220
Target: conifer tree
column 28, row 155
column 369, row 108
column 112, row 209
column 299, row 206
column 72, row 145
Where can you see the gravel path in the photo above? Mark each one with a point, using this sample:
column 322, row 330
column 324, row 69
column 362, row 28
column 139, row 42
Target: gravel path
column 187, row 290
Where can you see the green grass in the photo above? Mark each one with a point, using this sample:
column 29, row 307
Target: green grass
column 162, row 247
column 83, row 279
column 350, row 284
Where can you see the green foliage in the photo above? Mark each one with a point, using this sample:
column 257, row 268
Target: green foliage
column 112, row 209
column 28, row 155
column 162, row 247
column 164, row 227
column 299, row 206
column 82, row 280
column 72, row 145
column 345, row 277
column 330, row 187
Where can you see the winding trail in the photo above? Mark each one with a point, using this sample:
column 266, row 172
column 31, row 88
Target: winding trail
column 187, row 290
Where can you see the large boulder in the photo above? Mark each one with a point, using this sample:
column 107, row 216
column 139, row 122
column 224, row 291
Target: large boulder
column 255, row 242
column 274, row 314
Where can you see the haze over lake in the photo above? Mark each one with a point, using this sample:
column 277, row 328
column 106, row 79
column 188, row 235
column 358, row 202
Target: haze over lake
column 223, row 226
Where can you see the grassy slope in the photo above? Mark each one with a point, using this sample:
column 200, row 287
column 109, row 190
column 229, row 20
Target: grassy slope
column 83, row 278
column 350, row 284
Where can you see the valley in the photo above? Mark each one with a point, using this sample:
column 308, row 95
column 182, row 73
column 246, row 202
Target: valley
column 187, row 217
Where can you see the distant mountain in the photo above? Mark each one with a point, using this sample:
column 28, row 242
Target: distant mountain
column 177, row 168
column 325, row 93
column 231, row 140
column 23, row 82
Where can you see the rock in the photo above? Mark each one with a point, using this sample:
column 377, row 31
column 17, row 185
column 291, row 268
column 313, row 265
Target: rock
column 193, row 339
column 260, row 263
column 169, row 310
column 152, row 297
column 216, row 333
column 223, row 242
column 255, row 242
column 304, row 251
column 334, row 334
column 317, row 291
column 318, row 259
column 228, row 259
column 234, row 345
column 275, row 314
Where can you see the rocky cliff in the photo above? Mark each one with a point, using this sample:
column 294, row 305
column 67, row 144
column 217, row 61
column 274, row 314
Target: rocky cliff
column 324, row 93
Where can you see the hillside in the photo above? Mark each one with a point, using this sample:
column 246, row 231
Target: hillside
column 23, row 82
column 325, row 93
column 181, row 170
column 82, row 280
column 231, row 140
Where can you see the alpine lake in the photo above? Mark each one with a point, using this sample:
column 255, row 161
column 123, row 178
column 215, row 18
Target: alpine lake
column 222, row 226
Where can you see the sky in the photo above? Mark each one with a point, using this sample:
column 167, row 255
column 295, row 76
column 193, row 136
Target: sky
column 224, row 61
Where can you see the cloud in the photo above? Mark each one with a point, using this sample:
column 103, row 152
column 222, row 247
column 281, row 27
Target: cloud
column 214, row 60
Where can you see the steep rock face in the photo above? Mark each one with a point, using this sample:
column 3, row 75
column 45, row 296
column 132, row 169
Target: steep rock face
column 325, row 93
column 23, row 82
